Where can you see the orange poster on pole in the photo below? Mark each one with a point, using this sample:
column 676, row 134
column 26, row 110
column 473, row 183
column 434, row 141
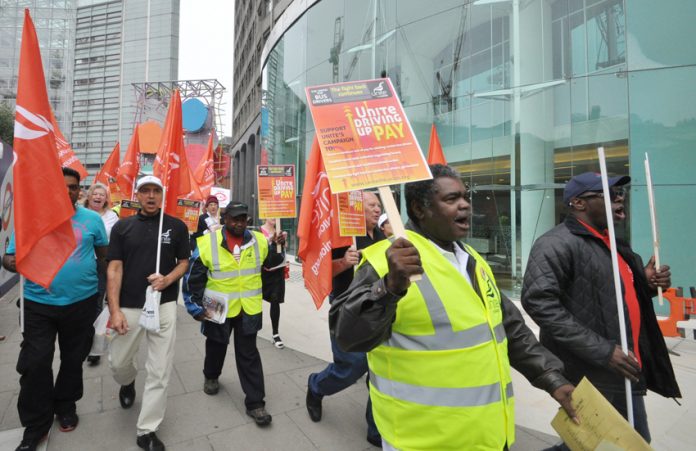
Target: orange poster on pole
column 351, row 214
column 188, row 210
column 128, row 208
column 365, row 138
column 276, row 191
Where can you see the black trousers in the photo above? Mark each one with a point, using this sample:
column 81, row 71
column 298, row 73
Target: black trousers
column 39, row 397
column 248, row 362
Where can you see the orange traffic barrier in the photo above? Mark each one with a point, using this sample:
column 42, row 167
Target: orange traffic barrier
column 680, row 308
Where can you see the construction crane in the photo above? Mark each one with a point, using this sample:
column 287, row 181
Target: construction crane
column 445, row 86
column 336, row 49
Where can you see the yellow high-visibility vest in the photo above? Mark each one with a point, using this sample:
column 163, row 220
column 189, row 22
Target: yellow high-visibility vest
column 239, row 282
column 442, row 380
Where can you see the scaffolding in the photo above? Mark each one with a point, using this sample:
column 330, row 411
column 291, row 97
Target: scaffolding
column 152, row 98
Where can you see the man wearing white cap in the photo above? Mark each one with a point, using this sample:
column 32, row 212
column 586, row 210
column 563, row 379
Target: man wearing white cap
column 132, row 261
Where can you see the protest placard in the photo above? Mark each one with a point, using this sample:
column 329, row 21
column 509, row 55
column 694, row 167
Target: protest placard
column 351, row 214
column 365, row 138
column 276, row 195
column 188, row 210
column 129, row 208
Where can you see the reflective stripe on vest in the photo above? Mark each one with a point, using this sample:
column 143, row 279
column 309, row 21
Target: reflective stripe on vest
column 439, row 396
column 237, row 281
column 215, row 273
column 445, row 338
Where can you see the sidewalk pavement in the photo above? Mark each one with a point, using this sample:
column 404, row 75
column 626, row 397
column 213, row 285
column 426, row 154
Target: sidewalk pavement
column 196, row 421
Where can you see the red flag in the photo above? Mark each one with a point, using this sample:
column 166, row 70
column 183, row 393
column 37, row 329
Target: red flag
column 128, row 171
column 66, row 155
column 171, row 165
column 435, row 154
column 315, row 229
column 205, row 172
column 107, row 173
column 43, row 236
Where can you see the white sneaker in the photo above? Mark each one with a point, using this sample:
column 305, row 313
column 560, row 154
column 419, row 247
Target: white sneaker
column 277, row 342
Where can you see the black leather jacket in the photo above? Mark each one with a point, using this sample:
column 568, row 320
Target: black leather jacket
column 569, row 291
column 361, row 319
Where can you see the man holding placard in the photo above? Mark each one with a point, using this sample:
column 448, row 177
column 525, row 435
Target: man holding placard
column 347, row 367
column 568, row 290
column 132, row 260
column 440, row 349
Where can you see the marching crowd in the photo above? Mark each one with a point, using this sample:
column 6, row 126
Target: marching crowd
column 421, row 315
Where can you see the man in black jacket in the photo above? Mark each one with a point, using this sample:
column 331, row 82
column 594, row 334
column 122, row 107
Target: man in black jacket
column 569, row 291
column 384, row 314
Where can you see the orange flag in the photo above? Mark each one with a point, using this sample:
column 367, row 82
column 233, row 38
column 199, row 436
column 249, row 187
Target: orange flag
column 435, row 154
column 43, row 236
column 66, row 155
column 315, row 228
column 107, row 173
column 128, row 171
column 171, row 165
column 205, row 172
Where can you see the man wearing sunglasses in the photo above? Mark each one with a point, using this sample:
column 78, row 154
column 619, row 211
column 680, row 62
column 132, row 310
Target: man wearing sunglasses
column 569, row 291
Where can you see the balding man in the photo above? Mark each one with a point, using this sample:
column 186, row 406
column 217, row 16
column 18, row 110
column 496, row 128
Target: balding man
column 347, row 367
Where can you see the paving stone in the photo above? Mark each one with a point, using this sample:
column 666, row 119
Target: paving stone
column 281, row 434
column 193, row 415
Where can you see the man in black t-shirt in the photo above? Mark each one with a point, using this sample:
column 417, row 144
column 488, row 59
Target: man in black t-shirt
column 132, row 259
column 347, row 367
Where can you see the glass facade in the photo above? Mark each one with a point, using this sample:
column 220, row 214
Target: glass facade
column 522, row 93
column 54, row 21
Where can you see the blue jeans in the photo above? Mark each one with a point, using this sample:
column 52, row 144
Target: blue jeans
column 618, row 400
column 344, row 371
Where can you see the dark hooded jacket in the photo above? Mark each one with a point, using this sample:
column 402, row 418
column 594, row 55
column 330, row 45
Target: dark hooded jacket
column 569, row 291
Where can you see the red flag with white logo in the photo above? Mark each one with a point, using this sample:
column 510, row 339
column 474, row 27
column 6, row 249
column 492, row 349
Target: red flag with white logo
column 66, row 155
column 107, row 173
column 44, row 236
column 130, row 166
column 171, row 165
column 205, row 172
column 318, row 228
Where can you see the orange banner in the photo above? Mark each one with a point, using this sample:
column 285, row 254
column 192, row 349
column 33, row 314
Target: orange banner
column 351, row 214
column 128, row 208
column 276, row 191
column 188, row 210
column 365, row 137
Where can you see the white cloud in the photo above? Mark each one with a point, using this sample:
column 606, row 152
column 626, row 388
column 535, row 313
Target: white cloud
column 206, row 46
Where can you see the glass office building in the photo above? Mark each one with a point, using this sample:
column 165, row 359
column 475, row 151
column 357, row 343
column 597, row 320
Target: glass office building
column 54, row 21
column 522, row 93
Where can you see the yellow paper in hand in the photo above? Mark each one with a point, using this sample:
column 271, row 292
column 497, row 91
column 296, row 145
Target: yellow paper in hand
column 601, row 426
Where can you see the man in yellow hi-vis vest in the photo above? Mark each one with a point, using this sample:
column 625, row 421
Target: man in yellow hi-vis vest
column 440, row 349
column 223, row 290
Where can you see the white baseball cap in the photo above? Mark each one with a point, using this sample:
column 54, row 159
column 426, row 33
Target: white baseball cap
column 382, row 219
column 148, row 180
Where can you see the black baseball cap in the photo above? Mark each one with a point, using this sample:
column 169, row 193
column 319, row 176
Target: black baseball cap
column 590, row 181
column 236, row 208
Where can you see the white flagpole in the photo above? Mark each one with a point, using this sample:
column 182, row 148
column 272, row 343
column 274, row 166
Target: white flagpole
column 653, row 221
column 159, row 233
column 21, row 303
column 617, row 277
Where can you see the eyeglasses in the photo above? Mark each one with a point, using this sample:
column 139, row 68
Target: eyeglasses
column 614, row 194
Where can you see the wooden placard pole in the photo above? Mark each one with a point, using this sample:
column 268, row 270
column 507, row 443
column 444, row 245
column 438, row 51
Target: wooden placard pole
column 278, row 230
column 653, row 221
column 394, row 218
